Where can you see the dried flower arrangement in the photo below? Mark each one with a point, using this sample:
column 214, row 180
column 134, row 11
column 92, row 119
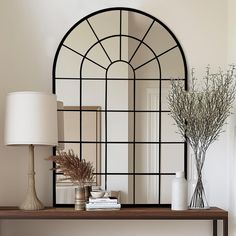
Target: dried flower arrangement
column 200, row 115
column 80, row 172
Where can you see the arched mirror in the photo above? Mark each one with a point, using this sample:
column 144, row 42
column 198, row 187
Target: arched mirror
column 112, row 70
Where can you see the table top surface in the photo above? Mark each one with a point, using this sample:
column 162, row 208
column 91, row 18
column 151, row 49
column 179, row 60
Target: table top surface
column 123, row 213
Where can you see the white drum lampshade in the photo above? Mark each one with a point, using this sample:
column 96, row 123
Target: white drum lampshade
column 31, row 119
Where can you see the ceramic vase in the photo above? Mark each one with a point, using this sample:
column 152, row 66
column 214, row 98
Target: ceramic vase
column 80, row 198
column 179, row 199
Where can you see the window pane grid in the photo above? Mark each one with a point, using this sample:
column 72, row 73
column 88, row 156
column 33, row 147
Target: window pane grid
column 135, row 110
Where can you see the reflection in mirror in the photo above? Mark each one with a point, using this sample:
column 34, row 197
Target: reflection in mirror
column 122, row 60
column 71, row 140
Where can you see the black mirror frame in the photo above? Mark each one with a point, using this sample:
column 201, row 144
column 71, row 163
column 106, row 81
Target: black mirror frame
column 105, row 111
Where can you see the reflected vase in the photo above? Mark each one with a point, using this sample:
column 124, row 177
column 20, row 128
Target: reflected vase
column 80, row 198
column 88, row 189
column 198, row 198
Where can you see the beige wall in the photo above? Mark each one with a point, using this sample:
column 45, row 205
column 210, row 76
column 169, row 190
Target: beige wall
column 231, row 135
column 30, row 33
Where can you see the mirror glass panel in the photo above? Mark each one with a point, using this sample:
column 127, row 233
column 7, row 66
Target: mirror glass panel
column 113, row 71
column 69, row 126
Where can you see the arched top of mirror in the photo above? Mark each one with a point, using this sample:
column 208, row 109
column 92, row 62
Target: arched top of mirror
column 109, row 41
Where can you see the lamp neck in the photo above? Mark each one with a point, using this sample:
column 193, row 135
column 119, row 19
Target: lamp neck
column 31, row 160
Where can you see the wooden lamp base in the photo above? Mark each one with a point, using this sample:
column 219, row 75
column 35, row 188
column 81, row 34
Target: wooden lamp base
column 31, row 202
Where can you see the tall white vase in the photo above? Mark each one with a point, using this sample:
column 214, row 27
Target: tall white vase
column 179, row 192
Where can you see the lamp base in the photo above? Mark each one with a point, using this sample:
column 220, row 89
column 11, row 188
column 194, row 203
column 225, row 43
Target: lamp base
column 31, row 203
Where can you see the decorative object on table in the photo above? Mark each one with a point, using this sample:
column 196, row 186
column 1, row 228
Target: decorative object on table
column 97, row 194
column 116, row 194
column 80, row 198
column 200, row 115
column 179, row 200
column 103, row 203
column 78, row 171
column 113, row 194
column 31, row 119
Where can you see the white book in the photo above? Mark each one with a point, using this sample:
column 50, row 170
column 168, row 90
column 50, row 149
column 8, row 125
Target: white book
column 103, row 206
column 103, row 200
column 102, row 209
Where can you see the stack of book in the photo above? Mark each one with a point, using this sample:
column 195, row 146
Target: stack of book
column 104, row 203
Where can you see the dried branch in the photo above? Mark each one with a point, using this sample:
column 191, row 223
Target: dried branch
column 78, row 171
column 201, row 113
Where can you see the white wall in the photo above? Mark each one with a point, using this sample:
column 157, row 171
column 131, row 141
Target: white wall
column 30, row 33
column 231, row 131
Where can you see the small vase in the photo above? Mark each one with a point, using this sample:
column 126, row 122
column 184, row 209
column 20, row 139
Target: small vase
column 80, row 198
column 198, row 199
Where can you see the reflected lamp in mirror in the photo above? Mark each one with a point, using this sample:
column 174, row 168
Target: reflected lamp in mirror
column 60, row 124
column 31, row 119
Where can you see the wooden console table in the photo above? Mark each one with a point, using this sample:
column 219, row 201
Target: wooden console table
column 213, row 214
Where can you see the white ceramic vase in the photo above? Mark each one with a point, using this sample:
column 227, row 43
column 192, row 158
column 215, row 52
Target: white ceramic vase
column 179, row 200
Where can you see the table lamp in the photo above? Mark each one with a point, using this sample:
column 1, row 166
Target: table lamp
column 31, row 119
